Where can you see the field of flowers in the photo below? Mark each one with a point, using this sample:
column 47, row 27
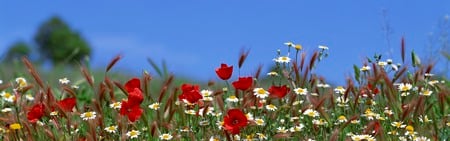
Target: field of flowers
column 385, row 99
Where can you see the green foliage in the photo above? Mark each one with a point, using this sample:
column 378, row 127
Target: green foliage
column 60, row 44
column 16, row 51
column 415, row 59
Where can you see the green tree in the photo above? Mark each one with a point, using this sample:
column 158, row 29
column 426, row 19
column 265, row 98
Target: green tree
column 60, row 44
column 16, row 51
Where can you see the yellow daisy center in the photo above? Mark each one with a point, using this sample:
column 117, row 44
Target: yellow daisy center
column 404, row 88
column 165, row 136
column 427, row 92
column 259, row 121
column 342, row 118
column 155, row 106
column 133, row 133
column 261, row 91
column 409, row 128
column 7, row 95
column 89, row 114
column 111, row 128
column 15, row 126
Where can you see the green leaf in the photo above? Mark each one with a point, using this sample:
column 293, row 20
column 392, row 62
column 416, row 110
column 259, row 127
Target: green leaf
column 415, row 59
column 369, row 60
column 155, row 66
column 165, row 70
column 356, row 69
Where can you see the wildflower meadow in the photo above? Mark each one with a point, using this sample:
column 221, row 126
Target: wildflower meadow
column 384, row 99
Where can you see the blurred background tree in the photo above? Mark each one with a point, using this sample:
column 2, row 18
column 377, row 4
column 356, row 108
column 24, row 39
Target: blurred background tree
column 16, row 51
column 58, row 43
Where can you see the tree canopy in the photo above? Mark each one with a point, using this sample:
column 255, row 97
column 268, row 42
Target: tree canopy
column 60, row 44
column 17, row 50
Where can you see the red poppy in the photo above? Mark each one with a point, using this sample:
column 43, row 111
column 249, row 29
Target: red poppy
column 36, row 112
column 135, row 97
column 131, row 107
column 133, row 111
column 376, row 127
column 234, row 120
column 224, row 72
column 369, row 89
column 133, row 84
column 278, row 91
column 243, row 83
column 191, row 93
column 374, row 90
column 67, row 104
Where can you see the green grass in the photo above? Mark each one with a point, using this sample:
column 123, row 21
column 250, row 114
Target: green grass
column 366, row 111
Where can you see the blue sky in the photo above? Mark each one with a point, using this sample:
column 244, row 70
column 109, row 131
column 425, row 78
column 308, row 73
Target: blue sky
column 194, row 37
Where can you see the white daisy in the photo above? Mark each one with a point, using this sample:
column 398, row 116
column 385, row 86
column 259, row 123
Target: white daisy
column 365, row 68
column 289, row 44
column 75, row 86
column 29, row 97
column 232, row 98
column 321, row 85
column 260, row 93
column 362, row 137
column 382, row 64
column 133, row 134
column 64, row 81
column 206, row 93
column 422, row 138
column 154, row 106
column 209, row 111
column 259, row 122
column 88, row 115
column 282, row 59
column 424, row 119
column 398, row 124
column 207, row 98
column 272, row 73
column 21, row 81
column 297, row 128
column 190, row 112
column 165, row 136
column 311, row 113
column 426, row 92
column 261, row 136
column 271, row 107
column 355, row 121
column 301, row 91
column 282, row 130
column 323, row 47
column 342, row 119
column 403, row 87
column 339, row 90
column 111, row 129
column 5, row 110
column 115, row 105
column 319, row 122
column 8, row 96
